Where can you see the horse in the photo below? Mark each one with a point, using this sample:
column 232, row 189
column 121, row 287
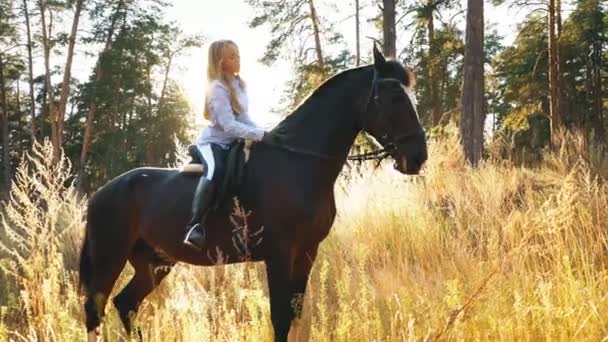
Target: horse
column 288, row 189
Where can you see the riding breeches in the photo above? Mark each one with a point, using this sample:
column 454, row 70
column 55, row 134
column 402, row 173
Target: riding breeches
column 214, row 157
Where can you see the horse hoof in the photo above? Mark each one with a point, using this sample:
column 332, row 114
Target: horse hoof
column 92, row 335
column 294, row 331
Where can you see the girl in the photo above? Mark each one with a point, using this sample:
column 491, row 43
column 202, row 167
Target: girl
column 226, row 108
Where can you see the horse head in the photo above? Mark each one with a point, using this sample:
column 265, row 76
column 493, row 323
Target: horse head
column 391, row 116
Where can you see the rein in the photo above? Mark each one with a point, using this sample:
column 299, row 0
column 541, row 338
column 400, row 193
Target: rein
column 378, row 155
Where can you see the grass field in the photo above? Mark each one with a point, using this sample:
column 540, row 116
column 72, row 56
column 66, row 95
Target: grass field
column 500, row 252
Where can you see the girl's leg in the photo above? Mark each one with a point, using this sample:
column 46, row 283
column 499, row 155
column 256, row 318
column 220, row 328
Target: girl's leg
column 204, row 196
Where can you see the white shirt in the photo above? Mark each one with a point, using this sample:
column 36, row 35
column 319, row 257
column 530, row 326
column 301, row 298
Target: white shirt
column 226, row 126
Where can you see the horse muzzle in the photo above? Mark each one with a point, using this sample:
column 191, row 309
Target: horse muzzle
column 409, row 168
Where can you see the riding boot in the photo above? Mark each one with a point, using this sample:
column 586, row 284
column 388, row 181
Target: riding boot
column 201, row 205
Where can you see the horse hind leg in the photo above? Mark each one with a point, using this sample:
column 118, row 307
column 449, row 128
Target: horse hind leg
column 145, row 280
column 150, row 270
column 98, row 288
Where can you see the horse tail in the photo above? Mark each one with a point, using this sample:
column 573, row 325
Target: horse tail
column 85, row 264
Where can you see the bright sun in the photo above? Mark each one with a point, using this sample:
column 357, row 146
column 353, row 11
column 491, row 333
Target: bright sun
column 265, row 84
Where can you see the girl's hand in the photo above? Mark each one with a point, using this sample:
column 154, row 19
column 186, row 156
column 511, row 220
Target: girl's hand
column 269, row 138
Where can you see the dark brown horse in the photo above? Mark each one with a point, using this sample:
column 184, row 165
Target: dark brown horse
column 288, row 187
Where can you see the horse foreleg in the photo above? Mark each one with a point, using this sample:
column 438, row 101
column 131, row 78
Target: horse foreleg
column 287, row 279
column 301, row 271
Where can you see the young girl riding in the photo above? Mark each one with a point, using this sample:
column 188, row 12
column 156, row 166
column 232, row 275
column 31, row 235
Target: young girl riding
column 226, row 107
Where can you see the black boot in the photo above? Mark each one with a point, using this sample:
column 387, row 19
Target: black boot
column 201, row 205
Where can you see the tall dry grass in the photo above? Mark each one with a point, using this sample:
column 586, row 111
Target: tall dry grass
column 42, row 226
column 500, row 252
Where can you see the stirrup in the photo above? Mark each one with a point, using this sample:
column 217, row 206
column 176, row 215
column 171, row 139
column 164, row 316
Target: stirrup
column 187, row 238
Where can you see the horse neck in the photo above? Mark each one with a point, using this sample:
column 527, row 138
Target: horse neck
column 328, row 124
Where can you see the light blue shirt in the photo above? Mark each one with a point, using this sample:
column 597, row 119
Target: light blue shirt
column 225, row 126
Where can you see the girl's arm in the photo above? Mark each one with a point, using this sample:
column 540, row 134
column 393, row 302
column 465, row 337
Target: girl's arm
column 247, row 120
column 222, row 114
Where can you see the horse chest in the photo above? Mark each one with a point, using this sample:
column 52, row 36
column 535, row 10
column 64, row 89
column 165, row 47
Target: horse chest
column 310, row 219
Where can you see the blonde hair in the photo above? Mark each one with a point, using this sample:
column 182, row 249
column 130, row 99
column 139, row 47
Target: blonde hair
column 215, row 72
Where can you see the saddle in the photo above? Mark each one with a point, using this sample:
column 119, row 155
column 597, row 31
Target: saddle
column 236, row 160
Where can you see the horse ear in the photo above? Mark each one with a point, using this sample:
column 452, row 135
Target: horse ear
column 378, row 57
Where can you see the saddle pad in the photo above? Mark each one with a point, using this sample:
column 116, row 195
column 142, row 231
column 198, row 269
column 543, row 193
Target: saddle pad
column 193, row 169
column 197, row 166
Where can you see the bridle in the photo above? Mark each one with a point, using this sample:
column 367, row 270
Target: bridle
column 389, row 143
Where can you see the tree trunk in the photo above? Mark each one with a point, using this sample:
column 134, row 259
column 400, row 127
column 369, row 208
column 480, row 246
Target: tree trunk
column 148, row 156
column 357, row 35
column 163, row 90
column 50, row 108
column 99, row 73
column 149, row 95
column 587, row 119
column 433, row 68
column 65, row 85
column 30, row 71
column 5, row 142
column 388, row 27
column 18, row 117
column 317, row 33
column 472, row 115
column 558, row 17
column 554, row 87
column 598, row 114
column 561, row 91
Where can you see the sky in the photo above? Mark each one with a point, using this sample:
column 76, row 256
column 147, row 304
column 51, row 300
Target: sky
column 228, row 19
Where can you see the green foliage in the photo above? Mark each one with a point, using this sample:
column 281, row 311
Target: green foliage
column 140, row 111
column 583, row 33
column 519, row 83
column 8, row 28
column 436, row 63
column 132, row 127
column 520, row 73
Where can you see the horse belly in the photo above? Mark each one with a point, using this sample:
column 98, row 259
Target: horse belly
column 231, row 235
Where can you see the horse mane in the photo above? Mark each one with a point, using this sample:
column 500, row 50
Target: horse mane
column 304, row 107
column 330, row 82
column 405, row 76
